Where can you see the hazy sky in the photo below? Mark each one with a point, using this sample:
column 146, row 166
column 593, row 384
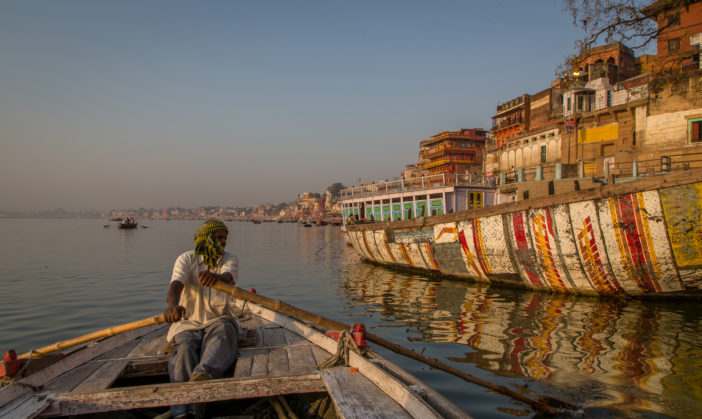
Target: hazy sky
column 127, row 104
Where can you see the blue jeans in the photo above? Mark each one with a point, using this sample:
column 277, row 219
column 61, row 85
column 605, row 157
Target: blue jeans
column 211, row 350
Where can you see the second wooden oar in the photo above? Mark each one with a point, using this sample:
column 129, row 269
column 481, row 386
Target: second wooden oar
column 110, row 331
column 278, row 305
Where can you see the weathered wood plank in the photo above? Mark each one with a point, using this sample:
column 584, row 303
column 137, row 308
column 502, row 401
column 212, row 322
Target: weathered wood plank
column 356, row 397
column 183, row 393
column 278, row 362
column 243, row 365
column 102, row 373
column 320, row 355
column 22, row 394
column 153, row 344
column 260, row 363
column 292, row 338
column 273, row 336
column 104, row 376
column 441, row 404
column 392, row 387
column 26, row 406
column 13, row 391
column 301, row 359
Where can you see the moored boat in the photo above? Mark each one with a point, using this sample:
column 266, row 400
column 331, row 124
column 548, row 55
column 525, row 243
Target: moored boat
column 281, row 365
column 636, row 238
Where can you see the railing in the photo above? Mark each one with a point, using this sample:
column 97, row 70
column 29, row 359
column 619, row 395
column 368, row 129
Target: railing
column 666, row 163
column 456, row 135
column 507, row 124
column 420, row 183
column 598, row 171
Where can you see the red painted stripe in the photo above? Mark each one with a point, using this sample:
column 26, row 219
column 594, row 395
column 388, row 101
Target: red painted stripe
column 630, row 233
column 521, row 240
column 479, row 251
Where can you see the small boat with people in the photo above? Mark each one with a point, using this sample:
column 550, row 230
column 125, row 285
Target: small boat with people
column 291, row 363
column 127, row 223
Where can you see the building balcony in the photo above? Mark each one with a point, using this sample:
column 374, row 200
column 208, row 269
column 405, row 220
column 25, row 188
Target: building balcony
column 507, row 124
column 450, row 151
column 416, row 184
column 441, row 162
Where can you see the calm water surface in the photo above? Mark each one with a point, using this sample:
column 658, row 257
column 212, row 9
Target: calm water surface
column 64, row 278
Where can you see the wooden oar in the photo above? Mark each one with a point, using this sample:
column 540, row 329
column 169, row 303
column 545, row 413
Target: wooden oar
column 110, row 331
column 278, row 305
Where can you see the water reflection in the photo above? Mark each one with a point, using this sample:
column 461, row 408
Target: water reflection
column 622, row 355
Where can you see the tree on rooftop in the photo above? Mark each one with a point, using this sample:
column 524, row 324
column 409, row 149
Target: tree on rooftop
column 335, row 190
column 630, row 22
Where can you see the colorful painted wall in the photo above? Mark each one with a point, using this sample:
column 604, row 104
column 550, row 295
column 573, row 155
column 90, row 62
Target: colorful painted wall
column 633, row 244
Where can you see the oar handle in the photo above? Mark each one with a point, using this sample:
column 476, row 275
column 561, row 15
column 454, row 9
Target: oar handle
column 110, row 331
column 322, row 321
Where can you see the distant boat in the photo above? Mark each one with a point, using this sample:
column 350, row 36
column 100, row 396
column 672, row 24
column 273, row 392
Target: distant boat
column 256, row 221
column 307, row 224
column 127, row 223
column 321, row 223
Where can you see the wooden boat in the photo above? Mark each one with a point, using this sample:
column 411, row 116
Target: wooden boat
column 278, row 368
column 636, row 238
column 127, row 223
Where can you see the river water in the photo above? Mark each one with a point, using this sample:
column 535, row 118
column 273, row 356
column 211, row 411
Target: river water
column 62, row 278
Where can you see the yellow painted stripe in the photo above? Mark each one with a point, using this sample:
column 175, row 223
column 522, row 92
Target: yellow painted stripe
column 477, row 230
column 649, row 241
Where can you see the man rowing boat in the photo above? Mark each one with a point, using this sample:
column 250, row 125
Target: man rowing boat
column 204, row 331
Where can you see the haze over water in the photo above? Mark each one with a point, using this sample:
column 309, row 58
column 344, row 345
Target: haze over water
column 62, row 278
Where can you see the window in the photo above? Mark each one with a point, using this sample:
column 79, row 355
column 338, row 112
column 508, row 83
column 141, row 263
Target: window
column 674, row 45
column 581, row 102
column 568, row 103
column 695, row 130
column 609, row 98
column 674, row 19
column 543, row 154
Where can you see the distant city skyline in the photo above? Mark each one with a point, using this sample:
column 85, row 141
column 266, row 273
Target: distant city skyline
column 161, row 104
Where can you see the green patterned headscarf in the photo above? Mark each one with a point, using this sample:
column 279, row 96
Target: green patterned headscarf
column 207, row 245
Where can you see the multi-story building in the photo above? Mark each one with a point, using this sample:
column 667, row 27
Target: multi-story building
column 512, row 118
column 680, row 33
column 537, row 139
column 453, row 152
column 615, row 61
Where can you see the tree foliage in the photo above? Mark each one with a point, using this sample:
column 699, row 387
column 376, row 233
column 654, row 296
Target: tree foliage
column 335, row 190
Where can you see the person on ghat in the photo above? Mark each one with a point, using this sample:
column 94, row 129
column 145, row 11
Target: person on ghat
column 203, row 328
